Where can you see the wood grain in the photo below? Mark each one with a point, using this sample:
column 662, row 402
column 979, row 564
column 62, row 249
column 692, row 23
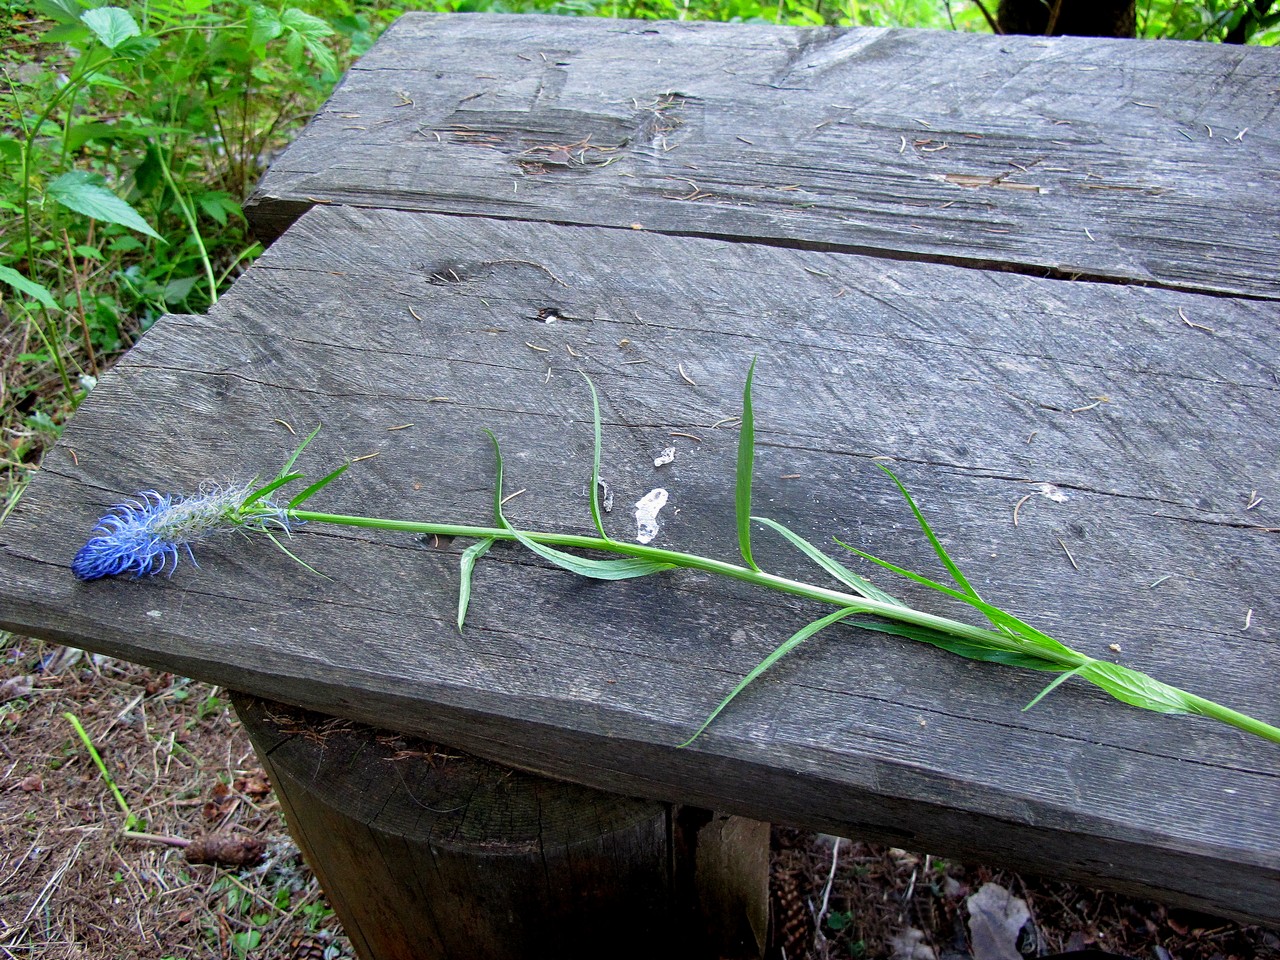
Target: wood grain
column 1147, row 162
column 428, row 853
column 408, row 334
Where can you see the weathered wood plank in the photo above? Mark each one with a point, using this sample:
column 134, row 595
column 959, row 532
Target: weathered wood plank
column 983, row 386
column 1153, row 162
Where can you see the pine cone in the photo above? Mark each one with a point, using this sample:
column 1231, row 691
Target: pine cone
column 225, row 850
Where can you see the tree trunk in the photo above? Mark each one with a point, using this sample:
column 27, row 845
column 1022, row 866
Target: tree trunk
column 1077, row 18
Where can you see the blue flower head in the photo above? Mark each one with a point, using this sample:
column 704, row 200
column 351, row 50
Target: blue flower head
column 144, row 536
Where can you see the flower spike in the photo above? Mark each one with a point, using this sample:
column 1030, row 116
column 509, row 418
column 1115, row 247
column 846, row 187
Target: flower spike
column 147, row 535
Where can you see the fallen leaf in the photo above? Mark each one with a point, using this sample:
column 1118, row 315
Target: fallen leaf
column 908, row 945
column 995, row 919
column 16, row 687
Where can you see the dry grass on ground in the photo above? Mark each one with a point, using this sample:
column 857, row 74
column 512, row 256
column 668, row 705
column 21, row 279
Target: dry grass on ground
column 73, row 887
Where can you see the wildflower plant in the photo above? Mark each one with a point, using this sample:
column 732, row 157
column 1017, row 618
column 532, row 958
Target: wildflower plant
column 147, row 536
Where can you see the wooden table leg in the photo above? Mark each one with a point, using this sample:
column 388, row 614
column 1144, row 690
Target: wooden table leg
column 426, row 853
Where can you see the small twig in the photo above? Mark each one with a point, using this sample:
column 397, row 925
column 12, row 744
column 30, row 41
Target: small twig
column 991, row 21
column 687, row 379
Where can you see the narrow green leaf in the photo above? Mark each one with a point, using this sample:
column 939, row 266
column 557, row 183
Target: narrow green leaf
column 1011, row 626
column 928, row 532
column 746, row 461
column 797, row 638
column 497, row 483
column 316, row 487
column 288, row 553
column 1053, row 685
column 962, row 646
column 622, row 569
column 469, row 558
column 842, row 573
column 87, row 193
column 111, row 25
column 297, row 451
column 595, row 461
column 36, row 291
column 268, row 489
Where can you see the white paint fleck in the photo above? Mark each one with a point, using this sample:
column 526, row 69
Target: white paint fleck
column 155, row 613
column 647, row 514
column 1051, row 492
column 665, row 457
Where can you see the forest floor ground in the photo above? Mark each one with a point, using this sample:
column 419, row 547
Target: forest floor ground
column 74, row 887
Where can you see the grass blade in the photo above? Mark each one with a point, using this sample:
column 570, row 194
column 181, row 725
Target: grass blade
column 595, row 461
column 316, row 487
column 296, row 559
column 947, row 562
column 293, row 457
column 1057, row 682
column 746, row 461
column 963, row 646
column 1005, row 621
column 269, row 488
column 797, row 638
column 838, row 570
column 469, row 558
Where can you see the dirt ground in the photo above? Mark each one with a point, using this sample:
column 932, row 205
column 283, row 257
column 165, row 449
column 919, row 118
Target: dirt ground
column 78, row 881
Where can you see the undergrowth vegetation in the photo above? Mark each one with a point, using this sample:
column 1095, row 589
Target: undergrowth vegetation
column 131, row 133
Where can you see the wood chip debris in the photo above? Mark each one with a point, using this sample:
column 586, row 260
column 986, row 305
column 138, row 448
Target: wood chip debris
column 1192, row 324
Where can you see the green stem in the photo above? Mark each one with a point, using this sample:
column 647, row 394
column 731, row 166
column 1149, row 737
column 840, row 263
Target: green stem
column 189, row 216
column 1066, row 658
column 692, row 561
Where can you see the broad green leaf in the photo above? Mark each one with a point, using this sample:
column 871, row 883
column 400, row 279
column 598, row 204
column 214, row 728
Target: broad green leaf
column 88, row 194
column 36, row 291
column 62, row 11
column 746, row 460
column 595, row 461
column 1137, row 689
column 797, row 638
column 469, row 558
column 111, row 25
column 10, row 149
column 176, row 291
column 842, row 573
column 304, row 24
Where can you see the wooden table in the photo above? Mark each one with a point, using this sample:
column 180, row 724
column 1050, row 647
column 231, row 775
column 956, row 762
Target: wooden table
column 1039, row 275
